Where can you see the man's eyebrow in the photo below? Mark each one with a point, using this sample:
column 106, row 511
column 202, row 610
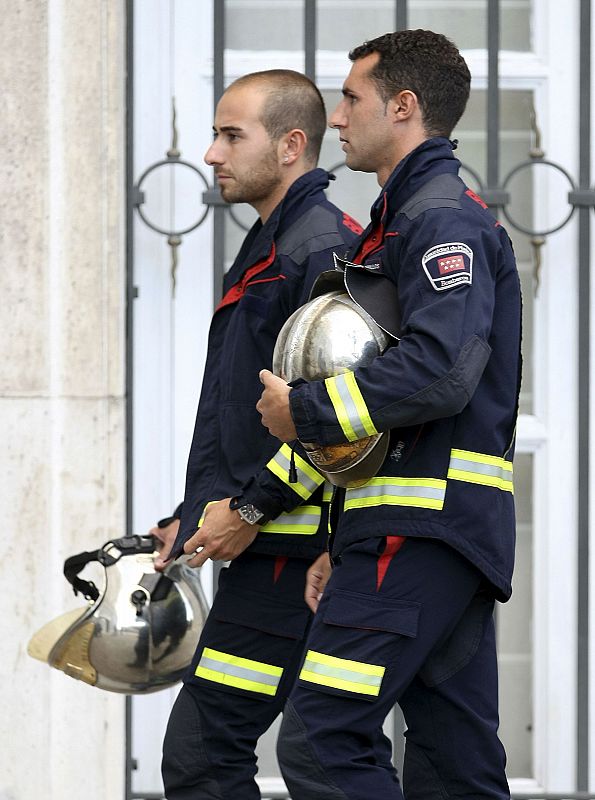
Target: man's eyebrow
column 226, row 129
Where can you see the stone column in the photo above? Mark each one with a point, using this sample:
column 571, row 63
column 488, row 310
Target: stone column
column 62, row 347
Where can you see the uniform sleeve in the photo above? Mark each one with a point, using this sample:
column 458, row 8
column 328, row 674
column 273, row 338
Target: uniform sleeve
column 446, row 285
column 282, row 487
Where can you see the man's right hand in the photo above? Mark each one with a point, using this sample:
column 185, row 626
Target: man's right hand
column 316, row 579
column 166, row 536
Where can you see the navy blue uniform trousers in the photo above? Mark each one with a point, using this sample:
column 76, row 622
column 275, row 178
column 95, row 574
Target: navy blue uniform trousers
column 245, row 664
column 405, row 621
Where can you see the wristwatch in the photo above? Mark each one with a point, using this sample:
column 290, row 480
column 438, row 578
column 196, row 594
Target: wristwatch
column 247, row 511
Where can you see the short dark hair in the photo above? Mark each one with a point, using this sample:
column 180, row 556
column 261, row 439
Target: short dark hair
column 292, row 101
column 427, row 64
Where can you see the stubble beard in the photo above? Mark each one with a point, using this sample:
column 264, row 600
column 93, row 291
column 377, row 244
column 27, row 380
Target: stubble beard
column 256, row 184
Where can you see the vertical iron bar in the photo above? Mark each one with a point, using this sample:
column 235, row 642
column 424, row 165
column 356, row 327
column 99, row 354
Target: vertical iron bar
column 493, row 96
column 218, row 88
column 129, row 22
column 219, row 212
column 310, row 42
column 584, row 355
column 401, row 22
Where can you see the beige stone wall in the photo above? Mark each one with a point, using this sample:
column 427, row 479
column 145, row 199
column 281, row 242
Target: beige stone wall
column 62, row 346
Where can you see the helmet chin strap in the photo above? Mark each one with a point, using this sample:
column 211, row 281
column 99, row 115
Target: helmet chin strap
column 75, row 564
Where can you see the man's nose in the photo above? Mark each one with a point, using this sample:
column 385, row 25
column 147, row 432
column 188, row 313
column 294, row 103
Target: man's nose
column 337, row 118
column 213, row 155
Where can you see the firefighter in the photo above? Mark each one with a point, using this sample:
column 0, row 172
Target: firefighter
column 268, row 130
column 421, row 551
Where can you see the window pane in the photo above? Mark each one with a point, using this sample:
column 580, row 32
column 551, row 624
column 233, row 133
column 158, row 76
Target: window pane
column 514, row 633
column 264, row 25
column 341, row 24
column 465, row 22
column 516, row 140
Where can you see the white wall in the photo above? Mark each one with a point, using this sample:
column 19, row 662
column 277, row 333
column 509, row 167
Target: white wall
column 62, row 278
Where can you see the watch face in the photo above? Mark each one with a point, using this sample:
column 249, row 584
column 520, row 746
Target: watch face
column 250, row 513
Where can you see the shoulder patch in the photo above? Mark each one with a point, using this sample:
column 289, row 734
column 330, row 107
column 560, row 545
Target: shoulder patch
column 448, row 265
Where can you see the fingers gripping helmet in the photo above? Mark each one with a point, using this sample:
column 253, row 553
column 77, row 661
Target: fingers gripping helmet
column 330, row 335
column 139, row 633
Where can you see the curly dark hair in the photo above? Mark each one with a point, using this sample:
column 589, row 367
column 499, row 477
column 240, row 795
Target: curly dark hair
column 427, row 64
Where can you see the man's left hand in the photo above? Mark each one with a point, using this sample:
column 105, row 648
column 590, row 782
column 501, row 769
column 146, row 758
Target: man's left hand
column 273, row 407
column 223, row 535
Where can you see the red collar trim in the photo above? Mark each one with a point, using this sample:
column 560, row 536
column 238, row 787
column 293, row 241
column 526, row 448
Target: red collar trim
column 238, row 290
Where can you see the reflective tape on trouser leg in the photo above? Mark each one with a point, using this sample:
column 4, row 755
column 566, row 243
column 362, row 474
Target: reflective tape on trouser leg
column 302, row 772
column 342, row 673
column 243, row 673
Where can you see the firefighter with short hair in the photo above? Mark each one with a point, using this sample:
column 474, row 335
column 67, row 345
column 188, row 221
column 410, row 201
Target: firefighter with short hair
column 422, row 549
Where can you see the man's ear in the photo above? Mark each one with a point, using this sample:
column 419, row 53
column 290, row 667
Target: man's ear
column 404, row 105
column 292, row 145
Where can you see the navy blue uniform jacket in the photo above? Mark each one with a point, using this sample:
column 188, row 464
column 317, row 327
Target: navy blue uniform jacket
column 270, row 278
column 447, row 392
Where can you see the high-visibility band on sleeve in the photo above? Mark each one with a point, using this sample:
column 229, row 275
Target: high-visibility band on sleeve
column 327, row 492
column 308, row 479
column 243, row 673
column 302, row 521
column 202, row 516
column 342, row 673
column 350, row 407
column 482, row 469
column 414, row 492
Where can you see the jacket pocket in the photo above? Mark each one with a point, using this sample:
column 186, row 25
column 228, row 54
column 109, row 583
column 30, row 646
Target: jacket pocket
column 261, row 612
column 251, row 645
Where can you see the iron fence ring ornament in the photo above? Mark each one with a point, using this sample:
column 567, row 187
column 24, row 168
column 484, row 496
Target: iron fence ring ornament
column 237, row 221
column 172, row 161
column 525, row 165
column 474, row 175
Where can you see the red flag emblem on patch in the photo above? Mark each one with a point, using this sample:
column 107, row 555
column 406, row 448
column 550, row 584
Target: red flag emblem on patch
column 448, row 265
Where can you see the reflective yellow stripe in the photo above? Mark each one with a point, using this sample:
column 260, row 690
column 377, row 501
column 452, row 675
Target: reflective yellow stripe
column 243, row 673
column 342, row 673
column 482, row 469
column 308, row 479
column 413, row 492
column 327, row 492
column 350, row 407
column 202, row 516
column 303, row 521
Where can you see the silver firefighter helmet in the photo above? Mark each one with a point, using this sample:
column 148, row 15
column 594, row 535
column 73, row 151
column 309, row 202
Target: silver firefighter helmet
column 328, row 336
column 138, row 633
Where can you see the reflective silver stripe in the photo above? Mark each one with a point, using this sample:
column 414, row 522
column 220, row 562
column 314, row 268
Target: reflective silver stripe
column 481, row 468
column 327, row 492
column 342, row 673
column 243, row 673
column 303, row 520
column 349, row 405
column 416, row 492
column 308, row 479
column 238, row 672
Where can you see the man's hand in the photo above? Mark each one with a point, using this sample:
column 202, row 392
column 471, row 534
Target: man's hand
column 223, row 535
column 167, row 537
column 316, row 579
column 273, row 406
